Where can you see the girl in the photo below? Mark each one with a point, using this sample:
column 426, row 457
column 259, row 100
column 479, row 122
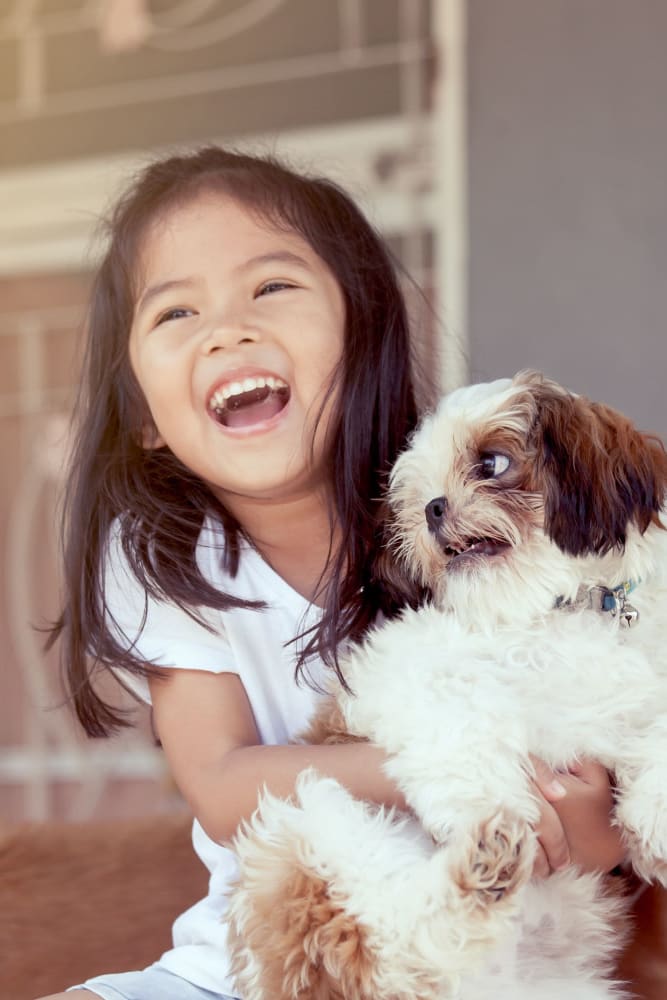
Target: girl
column 246, row 389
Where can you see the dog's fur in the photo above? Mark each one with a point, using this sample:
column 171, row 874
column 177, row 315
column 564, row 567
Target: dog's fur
column 341, row 901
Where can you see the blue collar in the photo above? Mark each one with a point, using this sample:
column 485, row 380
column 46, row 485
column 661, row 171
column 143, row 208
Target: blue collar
column 606, row 600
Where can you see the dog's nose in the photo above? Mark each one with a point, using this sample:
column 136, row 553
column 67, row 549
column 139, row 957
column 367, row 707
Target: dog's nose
column 435, row 513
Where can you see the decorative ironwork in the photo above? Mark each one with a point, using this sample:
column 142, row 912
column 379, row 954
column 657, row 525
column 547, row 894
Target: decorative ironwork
column 400, row 166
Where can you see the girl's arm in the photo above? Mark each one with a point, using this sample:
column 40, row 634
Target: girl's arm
column 208, row 732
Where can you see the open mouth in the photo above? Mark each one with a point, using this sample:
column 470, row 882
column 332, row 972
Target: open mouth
column 249, row 401
column 473, row 547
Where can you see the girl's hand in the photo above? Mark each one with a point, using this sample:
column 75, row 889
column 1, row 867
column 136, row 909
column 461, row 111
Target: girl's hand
column 575, row 823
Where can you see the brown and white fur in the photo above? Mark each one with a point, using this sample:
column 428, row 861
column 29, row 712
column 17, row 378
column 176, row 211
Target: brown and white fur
column 512, row 500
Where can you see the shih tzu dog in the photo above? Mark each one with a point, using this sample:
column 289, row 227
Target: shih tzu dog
column 533, row 516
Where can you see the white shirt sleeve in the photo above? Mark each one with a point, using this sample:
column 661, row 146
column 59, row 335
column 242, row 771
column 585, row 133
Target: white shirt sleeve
column 168, row 637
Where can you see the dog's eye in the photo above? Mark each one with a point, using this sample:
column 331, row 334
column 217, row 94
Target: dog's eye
column 493, row 464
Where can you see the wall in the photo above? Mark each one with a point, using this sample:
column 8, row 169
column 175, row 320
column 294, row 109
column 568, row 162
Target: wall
column 567, row 108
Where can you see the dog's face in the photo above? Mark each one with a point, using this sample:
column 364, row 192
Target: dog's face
column 512, row 490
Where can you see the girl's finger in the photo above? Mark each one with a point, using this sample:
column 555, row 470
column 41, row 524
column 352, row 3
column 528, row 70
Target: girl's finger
column 579, row 768
column 541, row 867
column 551, row 835
column 547, row 781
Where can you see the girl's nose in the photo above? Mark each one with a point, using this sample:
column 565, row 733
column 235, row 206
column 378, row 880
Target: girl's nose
column 225, row 334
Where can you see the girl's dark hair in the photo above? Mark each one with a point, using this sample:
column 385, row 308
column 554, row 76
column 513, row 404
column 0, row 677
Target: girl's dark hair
column 157, row 502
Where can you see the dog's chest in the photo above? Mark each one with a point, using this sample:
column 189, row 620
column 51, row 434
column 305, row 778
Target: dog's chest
column 571, row 683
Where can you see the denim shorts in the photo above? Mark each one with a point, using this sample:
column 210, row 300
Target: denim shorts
column 152, row 983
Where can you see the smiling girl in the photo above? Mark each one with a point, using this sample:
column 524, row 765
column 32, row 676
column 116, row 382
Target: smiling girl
column 246, row 388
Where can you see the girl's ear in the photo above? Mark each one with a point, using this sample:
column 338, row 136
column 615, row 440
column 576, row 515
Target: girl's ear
column 151, row 439
column 135, row 413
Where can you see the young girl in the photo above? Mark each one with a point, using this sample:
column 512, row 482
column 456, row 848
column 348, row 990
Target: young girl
column 246, row 389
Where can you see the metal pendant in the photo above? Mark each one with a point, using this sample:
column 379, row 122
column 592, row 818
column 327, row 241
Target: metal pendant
column 627, row 613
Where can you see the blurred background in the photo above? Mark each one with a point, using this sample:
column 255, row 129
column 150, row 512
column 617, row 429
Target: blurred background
column 513, row 151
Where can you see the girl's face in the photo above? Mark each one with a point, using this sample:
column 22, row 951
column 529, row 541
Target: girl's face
column 237, row 330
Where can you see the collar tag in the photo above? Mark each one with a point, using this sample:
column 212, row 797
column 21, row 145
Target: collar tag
column 606, row 600
column 616, row 603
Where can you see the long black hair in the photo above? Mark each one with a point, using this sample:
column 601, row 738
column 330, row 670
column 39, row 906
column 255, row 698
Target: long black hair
column 157, row 502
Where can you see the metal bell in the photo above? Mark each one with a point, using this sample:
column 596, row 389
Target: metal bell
column 627, row 613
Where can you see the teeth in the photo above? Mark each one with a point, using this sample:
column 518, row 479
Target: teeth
column 225, row 392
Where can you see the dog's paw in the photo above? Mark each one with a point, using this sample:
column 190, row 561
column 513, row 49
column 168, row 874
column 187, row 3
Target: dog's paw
column 651, row 866
column 641, row 813
column 498, row 860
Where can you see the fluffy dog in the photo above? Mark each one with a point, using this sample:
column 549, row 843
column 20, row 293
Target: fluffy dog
column 530, row 514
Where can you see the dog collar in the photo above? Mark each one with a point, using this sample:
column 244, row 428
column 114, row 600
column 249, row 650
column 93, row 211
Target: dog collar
column 606, row 600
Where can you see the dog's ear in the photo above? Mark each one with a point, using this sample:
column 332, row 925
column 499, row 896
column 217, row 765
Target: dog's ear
column 598, row 474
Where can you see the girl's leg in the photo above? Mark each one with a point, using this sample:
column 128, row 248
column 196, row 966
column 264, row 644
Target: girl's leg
column 149, row 984
column 72, row 995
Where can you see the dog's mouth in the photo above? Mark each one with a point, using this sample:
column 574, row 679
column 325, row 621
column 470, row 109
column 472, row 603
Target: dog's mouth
column 473, row 548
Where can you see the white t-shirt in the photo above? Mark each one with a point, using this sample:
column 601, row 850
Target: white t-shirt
column 251, row 644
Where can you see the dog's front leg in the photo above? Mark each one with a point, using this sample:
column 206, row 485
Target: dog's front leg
column 433, row 697
column 641, row 810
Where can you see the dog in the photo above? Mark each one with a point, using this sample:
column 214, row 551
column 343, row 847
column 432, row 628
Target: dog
column 533, row 517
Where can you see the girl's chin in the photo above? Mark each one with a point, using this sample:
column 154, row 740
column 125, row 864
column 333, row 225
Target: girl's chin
column 273, row 486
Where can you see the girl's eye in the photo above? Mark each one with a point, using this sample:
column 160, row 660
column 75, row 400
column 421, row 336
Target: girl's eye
column 170, row 314
column 273, row 286
column 493, row 464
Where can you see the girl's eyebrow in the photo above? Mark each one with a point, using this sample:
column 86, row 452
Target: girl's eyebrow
column 273, row 257
column 153, row 291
